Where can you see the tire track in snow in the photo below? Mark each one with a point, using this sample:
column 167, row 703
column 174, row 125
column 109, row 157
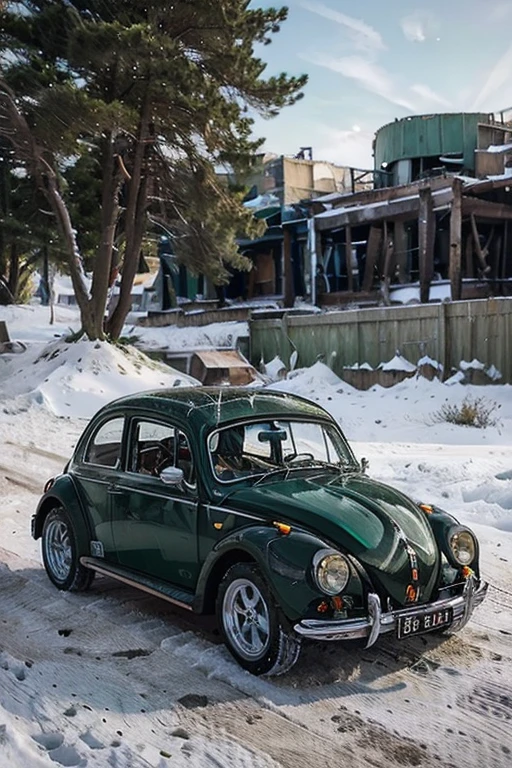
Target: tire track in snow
column 79, row 672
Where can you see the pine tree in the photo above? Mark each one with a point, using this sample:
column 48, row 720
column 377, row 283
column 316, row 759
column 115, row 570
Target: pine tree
column 156, row 94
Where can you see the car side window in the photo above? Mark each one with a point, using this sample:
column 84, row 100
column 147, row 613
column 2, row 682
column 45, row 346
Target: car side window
column 153, row 448
column 184, row 460
column 158, row 446
column 104, row 448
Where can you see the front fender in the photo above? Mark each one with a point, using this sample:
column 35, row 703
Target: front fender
column 63, row 494
column 442, row 523
column 284, row 560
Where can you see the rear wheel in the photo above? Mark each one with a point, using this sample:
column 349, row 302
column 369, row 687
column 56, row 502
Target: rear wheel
column 254, row 629
column 60, row 555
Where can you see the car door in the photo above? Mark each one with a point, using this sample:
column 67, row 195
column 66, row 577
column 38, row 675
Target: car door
column 155, row 525
column 98, row 468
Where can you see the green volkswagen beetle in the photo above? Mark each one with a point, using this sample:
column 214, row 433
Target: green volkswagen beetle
column 251, row 504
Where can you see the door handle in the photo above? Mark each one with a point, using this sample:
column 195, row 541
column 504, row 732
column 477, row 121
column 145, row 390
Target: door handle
column 114, row 490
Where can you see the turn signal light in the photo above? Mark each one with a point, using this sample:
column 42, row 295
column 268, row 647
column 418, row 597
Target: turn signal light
column 427, row 508
column 49, row 484
column 410, row 594
column 283, row 528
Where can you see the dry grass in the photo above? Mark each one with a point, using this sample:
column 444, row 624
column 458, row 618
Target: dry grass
column 472, row 412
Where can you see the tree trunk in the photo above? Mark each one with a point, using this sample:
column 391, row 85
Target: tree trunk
column 90, row 324
column 109, row 216
column 135, row 226
column 14, row 270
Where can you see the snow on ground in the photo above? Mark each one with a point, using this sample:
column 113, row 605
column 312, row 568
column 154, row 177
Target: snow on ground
column 115, row 678
column 178, row 339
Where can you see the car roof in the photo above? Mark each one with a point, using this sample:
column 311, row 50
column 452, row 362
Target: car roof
column 212, row 406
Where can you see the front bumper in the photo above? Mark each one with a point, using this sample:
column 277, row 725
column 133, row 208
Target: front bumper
column 378, row 623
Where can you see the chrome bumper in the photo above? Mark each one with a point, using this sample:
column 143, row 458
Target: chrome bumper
column 378, row 623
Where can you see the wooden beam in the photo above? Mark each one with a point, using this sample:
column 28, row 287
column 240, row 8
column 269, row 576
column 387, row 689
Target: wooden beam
column 426, row 235
column 478, row 248
column 379, row 211
column 389, row 252
column 372, row 252
column 455, row 241
column 468, row 256
column 348, row 258
column 485, row 209
column 401, row 243
column 504, row 256
column 288, row 298
column 376, row 195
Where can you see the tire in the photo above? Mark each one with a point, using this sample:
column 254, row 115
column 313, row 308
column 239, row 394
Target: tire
column 60, row 554
column 253, row 627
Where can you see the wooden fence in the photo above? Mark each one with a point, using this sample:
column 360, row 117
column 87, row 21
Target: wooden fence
column 449, row 333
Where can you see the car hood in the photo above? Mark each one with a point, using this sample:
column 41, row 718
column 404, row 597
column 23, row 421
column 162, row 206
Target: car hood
column 377, row 524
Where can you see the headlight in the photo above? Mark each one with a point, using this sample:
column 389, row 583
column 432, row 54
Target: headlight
column 463, row 547
column 331, row 571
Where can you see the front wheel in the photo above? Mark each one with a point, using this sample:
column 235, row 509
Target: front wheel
column 254, row 629
column 60, row 554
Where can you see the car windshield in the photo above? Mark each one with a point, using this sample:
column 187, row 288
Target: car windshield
column 243, row 450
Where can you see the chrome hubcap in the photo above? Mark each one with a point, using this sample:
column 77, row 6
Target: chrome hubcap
column 58, row 550
column 246, row 619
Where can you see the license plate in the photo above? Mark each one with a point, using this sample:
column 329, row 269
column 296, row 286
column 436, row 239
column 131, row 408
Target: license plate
column 416, row 625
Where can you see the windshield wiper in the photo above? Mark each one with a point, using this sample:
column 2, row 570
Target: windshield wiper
column 273, row 472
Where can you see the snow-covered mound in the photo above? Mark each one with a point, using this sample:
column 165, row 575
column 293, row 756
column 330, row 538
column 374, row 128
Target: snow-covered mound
column 76, row 379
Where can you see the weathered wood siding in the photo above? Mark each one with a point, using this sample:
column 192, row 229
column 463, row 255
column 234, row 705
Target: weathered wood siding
column 448, row 332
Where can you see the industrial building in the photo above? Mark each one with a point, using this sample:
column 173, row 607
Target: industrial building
column 435, row 225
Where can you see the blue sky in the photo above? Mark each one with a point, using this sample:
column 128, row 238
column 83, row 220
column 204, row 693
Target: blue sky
column 374, row 60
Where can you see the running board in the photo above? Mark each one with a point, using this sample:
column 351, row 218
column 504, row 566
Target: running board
column 151, row 586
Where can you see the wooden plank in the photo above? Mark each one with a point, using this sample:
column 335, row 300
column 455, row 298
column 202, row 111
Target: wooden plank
column 372, row 252
column 348, row 259
column 455, row 241
column 485, row 209
column 426, row 234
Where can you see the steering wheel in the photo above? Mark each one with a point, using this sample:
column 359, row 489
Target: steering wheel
column 165, row 454
column 292, row 458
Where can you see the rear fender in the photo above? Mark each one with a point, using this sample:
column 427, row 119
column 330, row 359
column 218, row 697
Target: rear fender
column 63, row 494
column 284, row 560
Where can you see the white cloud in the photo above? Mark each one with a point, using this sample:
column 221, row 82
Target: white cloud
column 347, row 147
column 414, row 29
column 429, row 96
column 498, row 79
column 364, row 37
column 420, row 26
column 369, row 75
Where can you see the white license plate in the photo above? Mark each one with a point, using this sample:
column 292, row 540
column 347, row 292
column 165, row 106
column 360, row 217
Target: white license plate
column 425, row 622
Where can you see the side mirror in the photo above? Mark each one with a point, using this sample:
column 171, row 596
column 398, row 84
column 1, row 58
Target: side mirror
column 171, row 476
column 364, row 465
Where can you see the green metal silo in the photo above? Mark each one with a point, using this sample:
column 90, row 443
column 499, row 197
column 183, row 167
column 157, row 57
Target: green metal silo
column 425, row 140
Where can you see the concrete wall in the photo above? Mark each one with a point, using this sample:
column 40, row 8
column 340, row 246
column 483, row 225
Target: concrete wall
column 447, row 332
